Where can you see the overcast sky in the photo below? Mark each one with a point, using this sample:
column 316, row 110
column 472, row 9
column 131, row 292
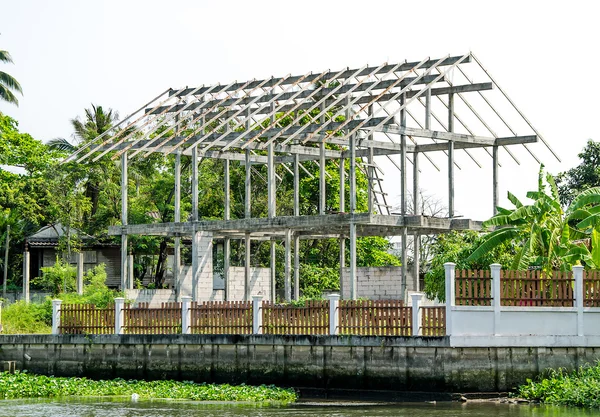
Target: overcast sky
column 120, row 54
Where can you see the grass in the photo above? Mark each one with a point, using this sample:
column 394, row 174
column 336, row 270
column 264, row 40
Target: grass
column 27, row 318
column 580, row 388
column 25, row 385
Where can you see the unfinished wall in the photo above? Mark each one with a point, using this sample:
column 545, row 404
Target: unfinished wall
column 259, row 282
column 377, row 283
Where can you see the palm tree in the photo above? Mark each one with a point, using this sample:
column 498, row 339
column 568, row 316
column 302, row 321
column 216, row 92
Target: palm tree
column 7, row 82
column 545, row 235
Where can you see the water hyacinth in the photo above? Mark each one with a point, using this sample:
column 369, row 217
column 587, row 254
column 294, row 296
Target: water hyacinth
column 25, row 385
column 580, row 388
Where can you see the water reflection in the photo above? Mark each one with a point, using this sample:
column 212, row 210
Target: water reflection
column 120, row 408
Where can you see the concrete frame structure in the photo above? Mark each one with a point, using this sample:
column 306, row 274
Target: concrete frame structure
column 361, row 115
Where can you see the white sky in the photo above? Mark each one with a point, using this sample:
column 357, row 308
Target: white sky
column 120, row 54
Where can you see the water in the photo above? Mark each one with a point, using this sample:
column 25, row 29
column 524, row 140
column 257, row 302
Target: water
column 116, row 408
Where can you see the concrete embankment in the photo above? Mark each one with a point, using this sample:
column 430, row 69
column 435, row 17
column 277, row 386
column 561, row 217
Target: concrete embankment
column 321, row 362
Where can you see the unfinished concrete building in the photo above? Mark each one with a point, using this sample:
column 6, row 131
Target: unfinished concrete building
column 387, row 120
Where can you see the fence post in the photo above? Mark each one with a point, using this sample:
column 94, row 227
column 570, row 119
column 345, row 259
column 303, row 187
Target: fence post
column 496, row 296
column 119, row 315
column 334, row 315
column 579, row 296
column 185, row 314
column 257, row 314
column 450, row 296
column 56, row 316
column 416, row 312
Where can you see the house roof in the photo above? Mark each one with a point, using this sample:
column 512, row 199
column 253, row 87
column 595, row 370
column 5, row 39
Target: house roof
column 49, row 235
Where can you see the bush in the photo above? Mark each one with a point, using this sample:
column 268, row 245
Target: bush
column 60, row 277
column 315, row 279
column 27, row 318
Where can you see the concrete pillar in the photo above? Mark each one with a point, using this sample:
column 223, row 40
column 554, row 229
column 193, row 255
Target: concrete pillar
column 296, row 266
column 417, row 211
column 26, row 276
column 119, row 315
column 342, row 239
column 495, row 193
column 130, row 278
column 56, row 316
column 450, row 156
column 247, row 267
column 288, row 266
column 177, row 219
column 416, row 313
column 334, row 317
column 370, row 168
column 450, row 271
column 496, row 295
column 186, row 315
column 257, row 327
column 195, row 183
column 195, row 264
column 226, row 267
column 271, row 200
column 296, row 184
column 273, row 270
column 579, row 297
column 353, row 294
column 403, row 196
column 428, row 109
column 322, row 179
column 124, row 242
column 79, row 273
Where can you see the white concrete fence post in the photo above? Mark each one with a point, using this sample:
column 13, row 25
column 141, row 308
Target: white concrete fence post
column 56, row 316
column 416, row 313
column 334, row 315
column 185, row 314
column 496, row 301
column 450, row 269
column 579, row 296
column 119, row 315
column 257, row 314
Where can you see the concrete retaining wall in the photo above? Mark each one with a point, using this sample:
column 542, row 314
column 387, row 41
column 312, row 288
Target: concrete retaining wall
column 361, row 363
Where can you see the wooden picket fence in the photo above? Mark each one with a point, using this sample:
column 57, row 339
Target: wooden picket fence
column 86, row 319
column 312, row 318
column 433, row 321
column 221, row 317
column 375, row 318
column 146, row 320
column 535, row 289
column 591, row 289
column 473, row 288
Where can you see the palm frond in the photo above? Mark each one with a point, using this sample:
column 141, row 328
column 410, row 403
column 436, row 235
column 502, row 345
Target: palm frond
column 7, row 95
column 61, row 144
column 5, row 56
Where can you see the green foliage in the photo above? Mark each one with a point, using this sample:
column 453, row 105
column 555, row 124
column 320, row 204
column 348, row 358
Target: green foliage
column 315, row 279
column 27, row 318
column 95, row 290
column 585, row 175
column 25, row 385
column 542, row 232
column 8, row 85
column 456, row 247
column 580, row 388
column 60, row 277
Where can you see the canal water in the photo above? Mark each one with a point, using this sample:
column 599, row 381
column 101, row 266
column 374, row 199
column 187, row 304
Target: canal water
column 111, row 408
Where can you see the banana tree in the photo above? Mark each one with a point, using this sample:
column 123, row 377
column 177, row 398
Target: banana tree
column 542, row 231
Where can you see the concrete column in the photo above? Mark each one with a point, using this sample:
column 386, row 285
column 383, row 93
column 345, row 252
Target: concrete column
column 195, row 183
column 417, row 211
column 248, row 187
column 185, row 314
column 370, row 168
column 195, row 264
column 428, row 109
column 296, row 266
column 322, row 179
column 353, row 294
column 352, row 173
column 450, row 271
column 247, row 267
column 416, row 313
column 287, row 286
column 334, row 317
column 177, row 245
column 26, row 276
column 119, row 315
column 403, row 196
column 495, row 193
column 56, row 316
column 296, row 184
column 342, row 239
column 271, row 200
column 496, row 295
column 130, row 282
column 342, row 263
column 450, row 156
column 579, row 296
column 227, row 243
column 79, row 273
column 124, row 243
column 273, row 270
column 257, row 327
column 226, row 267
